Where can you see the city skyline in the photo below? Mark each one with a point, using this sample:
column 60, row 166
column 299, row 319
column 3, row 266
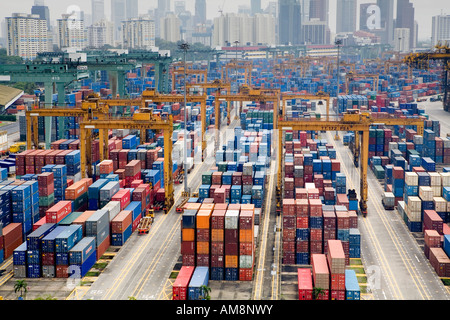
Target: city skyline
column 57, row 8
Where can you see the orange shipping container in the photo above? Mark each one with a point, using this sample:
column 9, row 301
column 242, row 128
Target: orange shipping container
column 231, row 261
column 188, row 234
column 203, row 219
column 76, row 190
column 217, row 235
column 202, row 247
column 246, row 235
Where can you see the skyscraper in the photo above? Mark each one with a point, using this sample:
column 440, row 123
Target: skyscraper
column 289, row 22
column 27, row 35
column 42, row 11
column 440, row 29
column 346, row 16
column 98, row 10
column 138, row 33
column 318, row 9
column 71, row 32
column 200, row 11
column 305, row 7
column 405, row 19
column 132, row 9
column 256, row 6
column 118, row 14
column 387, row 20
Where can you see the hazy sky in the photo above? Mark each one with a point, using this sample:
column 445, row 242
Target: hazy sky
column 425, row 9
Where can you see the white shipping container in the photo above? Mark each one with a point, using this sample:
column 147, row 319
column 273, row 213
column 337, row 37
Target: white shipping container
column 426, row 193
column 393, row 146
column 435, row 178
column 232, row 219
column 445, row 179
column 113, row 207
column 411, row 179
column 440, row 204
column 246, row 261
column 437, row 191
column 414, row 216
column 414, row 204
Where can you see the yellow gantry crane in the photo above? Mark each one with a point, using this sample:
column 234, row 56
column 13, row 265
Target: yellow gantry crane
column 353, row 121
column 245, row 65
column 88, row 110
column 202, row 75
column 422, row 60
column 151, row 96
column 248, row 94
column 142, row 120
column 397, row 64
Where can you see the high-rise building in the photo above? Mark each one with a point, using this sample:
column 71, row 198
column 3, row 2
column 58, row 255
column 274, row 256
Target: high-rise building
column 440, row 29
column 71, row 33
column 315, row 32
column 405, row 19
column 289, row 22
column 27, row 35
column 402, row 39
column 163, row 7
column 98, row 10
column 200, row 11
column 100, row 34
column 118, row 14
column 138, row 33
column 42, row 11
column 256, row 6
column 305, row 7
column 264, row 29
column 132, row 7
column 387, row 20
column 346, row 16
column 170, row 28
column 318, row 9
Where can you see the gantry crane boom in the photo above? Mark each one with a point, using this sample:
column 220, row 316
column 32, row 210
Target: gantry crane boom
column 422, row 61
column 141, row 121
column 355, row 121
column 150, row 96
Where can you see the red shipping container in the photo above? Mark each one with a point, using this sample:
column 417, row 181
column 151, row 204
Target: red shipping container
column 432, row 221
column 305, row 285
column 76, row 190
column 203, row 235
column 136, row 222
column 12, row 238
column 246, row 219
column 123, row 196
column 121, row 222
column 48, row 258
column 337, row 281
column 302, row 208
column 60, row 158
column 302, row 222
column 218, row 219
column 440, row 262
column 342, row 220
column 289, row 222
column 289, row 246
column 320, row 271
column 62, row 271
column 315, row 207
column 58, row 212
column 316, row 247
column 302, row 246
column 181, row 284
column 202, row 260
column 217, row 261
column 315, row 234
column 337, row 294
column 245, row 274
column 102, row 247
column 289, row 207
column 217, row 248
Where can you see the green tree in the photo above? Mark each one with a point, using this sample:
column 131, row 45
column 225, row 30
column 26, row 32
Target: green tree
column 21, row 287
column 318, row 292
column 205, row 291
column 47, row 297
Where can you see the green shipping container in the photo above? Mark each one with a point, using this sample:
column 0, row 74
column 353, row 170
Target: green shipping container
column 47, row 201
column 207, row 178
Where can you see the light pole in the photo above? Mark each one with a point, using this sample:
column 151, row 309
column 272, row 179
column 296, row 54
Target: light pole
column 338, row 42
column 185, row 47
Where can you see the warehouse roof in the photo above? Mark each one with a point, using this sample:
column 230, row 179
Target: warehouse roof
column 9, row 95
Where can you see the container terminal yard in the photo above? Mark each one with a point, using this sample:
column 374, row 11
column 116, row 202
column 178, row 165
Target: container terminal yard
column 259, row 179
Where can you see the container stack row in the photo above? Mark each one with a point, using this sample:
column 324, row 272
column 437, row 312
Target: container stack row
column 220, row 237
